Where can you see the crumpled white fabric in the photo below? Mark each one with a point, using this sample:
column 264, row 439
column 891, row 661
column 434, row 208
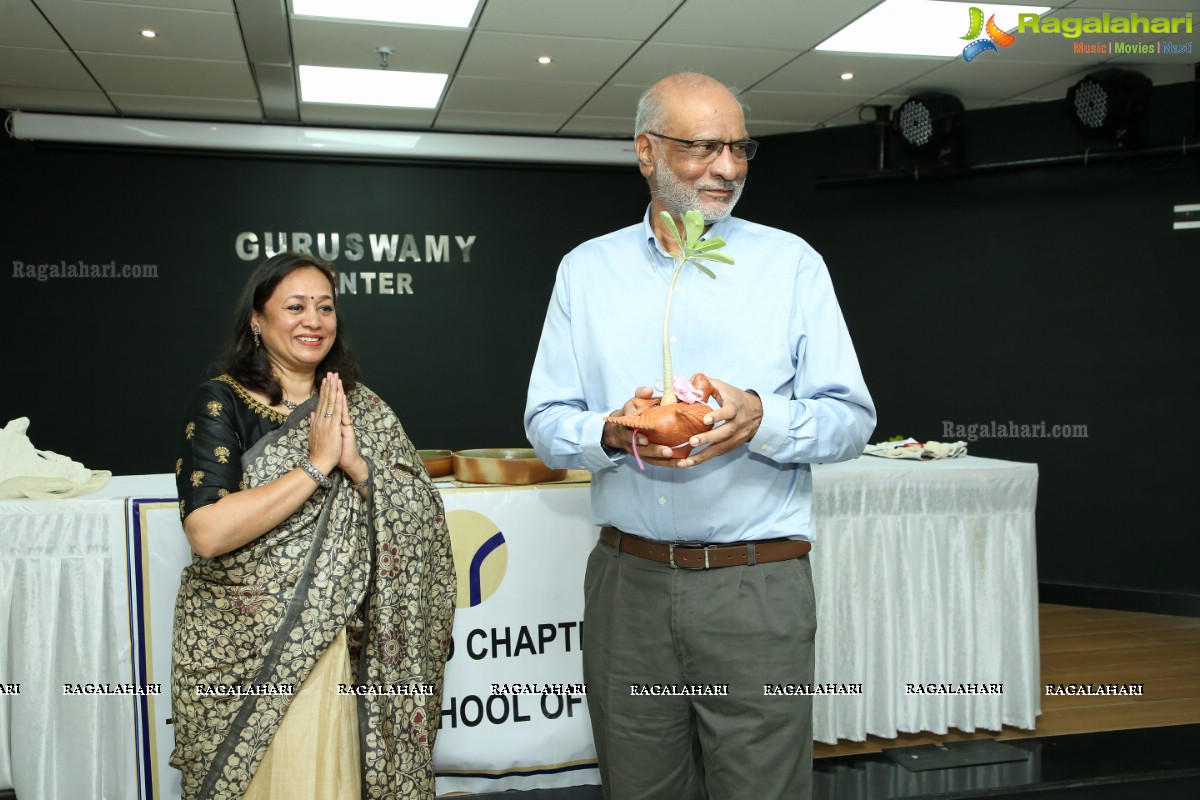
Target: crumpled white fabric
column 911, row 448
column 26, row 471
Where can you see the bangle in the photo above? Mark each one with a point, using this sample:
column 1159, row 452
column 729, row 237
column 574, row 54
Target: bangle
column 363, row 484
column 320, row 477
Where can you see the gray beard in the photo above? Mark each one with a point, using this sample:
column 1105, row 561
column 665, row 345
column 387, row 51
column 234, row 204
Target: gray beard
column 680, row 198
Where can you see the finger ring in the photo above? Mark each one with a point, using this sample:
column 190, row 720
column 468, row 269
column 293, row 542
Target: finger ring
column 327, row 416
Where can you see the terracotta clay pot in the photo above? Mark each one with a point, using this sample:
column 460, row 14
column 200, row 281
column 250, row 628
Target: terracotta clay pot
column 671, row 425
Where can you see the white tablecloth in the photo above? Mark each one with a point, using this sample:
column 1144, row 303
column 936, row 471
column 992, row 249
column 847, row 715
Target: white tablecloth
column 925, row 574
column 64, row 619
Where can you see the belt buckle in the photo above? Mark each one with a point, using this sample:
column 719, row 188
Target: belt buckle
column 671, row 556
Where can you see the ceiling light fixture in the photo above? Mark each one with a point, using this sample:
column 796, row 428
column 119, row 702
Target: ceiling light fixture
column 149, row 34
column 931, row 124
column 1112, row 103
column 917, row 28
column 544, row 59
column 443, row 13
column 847, row 76
column 371, row 87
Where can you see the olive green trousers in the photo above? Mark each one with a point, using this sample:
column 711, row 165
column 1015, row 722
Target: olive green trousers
column 676, row 662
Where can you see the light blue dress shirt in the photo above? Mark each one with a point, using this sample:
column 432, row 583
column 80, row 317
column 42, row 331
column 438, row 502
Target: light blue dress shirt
column 770, row 322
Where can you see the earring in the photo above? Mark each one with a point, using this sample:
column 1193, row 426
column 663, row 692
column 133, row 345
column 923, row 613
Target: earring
column 254, row 331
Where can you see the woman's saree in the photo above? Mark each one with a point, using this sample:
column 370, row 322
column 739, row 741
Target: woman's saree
column 251, row 624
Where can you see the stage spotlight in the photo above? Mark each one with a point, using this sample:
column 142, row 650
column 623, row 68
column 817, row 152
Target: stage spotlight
column 932, row 124
column 1112, row 103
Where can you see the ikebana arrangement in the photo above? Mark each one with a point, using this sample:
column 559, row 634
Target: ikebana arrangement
column 678, row 415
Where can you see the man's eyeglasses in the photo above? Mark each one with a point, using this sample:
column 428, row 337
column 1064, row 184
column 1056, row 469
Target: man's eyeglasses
column 708, row 149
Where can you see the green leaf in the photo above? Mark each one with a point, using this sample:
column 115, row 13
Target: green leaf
column 693, row 224
column 724, row 258
column 666, row 215
column 704, row 269
column 709, row 244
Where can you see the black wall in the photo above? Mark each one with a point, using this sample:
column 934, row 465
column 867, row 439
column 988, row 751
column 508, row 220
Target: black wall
column 104, row 368
column 1060, row 294
column 1056, row 294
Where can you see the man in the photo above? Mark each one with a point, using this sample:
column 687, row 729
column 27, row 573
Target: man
column 712, row 624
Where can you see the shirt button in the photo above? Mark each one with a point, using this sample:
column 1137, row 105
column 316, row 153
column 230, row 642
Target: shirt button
column 674, row 339
column 662, row 501
column 766, row 447
column 678, row 288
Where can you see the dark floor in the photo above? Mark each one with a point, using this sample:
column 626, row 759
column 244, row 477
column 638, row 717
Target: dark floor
column 1142, row 764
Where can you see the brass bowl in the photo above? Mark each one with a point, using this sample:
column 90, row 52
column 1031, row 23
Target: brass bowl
column 505, row 465
column 438, row 463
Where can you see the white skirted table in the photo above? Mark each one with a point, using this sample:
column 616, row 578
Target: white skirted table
column 926, row 589
column 926, row 574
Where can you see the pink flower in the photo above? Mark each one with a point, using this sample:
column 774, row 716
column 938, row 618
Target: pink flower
column 684, row 391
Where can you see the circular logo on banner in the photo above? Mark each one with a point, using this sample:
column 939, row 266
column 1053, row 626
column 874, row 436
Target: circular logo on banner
column 480, row 556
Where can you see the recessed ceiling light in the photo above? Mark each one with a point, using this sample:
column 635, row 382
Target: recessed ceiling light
column 847, row 76
column 917, row 28
column 149, row 34
column 443, row 13
column 371, row 87
column 544, row 59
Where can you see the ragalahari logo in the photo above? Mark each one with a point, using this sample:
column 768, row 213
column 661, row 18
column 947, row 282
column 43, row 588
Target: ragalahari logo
column 996, row 36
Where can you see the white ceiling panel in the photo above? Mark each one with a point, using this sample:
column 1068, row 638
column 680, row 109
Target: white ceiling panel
column 534, row 97
column 614, row 101
column 736, row 66
column 115, row 28
column 776, row 24
column 1163, row 7
column 514, row 57
column 821, row 73
column 607, row 19
column 325, row 43
column 43, row 69
column 24, row 26
column 195, row 5
column 171, row 76
column 237, row 59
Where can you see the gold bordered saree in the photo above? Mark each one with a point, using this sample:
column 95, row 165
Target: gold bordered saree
column 252, row 623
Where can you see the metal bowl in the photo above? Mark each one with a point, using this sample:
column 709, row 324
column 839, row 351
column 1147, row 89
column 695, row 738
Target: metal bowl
column 504, row 465
column 438, row 463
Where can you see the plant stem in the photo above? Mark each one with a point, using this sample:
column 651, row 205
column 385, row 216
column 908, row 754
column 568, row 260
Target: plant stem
column 668, row 398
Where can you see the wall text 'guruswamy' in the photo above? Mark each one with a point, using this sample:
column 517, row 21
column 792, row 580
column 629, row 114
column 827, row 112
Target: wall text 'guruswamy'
column 378, row 248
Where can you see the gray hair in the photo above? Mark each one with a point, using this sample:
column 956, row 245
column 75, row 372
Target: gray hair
column 652, row 112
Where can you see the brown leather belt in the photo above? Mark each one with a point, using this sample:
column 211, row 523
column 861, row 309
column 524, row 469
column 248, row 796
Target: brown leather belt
column 699, row 556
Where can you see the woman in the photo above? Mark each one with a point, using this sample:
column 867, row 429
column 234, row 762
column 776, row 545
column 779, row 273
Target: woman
column 322, row 559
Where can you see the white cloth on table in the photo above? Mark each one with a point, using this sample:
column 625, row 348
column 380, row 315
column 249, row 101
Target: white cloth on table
column 940, row 560
column 26, row 471
column 911, row 448
column 63, row 612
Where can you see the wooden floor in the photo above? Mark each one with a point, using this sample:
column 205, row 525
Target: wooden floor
column 1087, row 645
